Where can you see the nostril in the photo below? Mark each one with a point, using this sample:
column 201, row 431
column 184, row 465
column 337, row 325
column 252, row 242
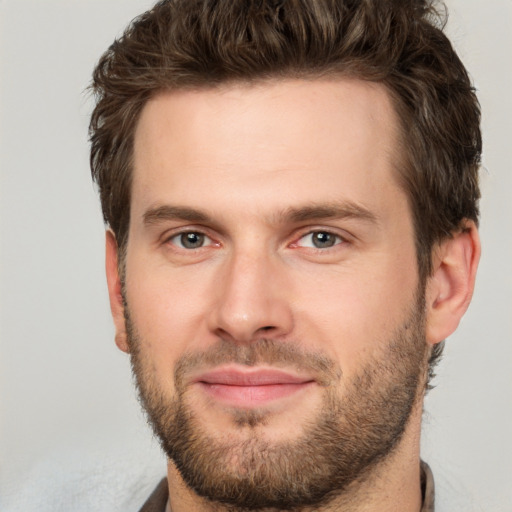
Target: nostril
column 267, row 328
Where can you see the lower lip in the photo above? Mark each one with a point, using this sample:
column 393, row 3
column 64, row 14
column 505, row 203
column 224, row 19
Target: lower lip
column 252, row 396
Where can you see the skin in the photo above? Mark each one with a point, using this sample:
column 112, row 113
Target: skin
column 246, row 158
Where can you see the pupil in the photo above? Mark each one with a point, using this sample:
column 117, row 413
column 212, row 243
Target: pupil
column 192, row 240
column 322, row 239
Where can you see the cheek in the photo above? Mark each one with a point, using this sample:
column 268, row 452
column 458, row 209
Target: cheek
column 168, row 314
column 355, row 315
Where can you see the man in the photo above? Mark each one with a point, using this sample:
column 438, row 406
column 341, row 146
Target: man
column 291, row 194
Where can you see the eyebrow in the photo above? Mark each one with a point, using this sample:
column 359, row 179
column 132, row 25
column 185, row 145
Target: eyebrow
column 333, row 210
column 168, row 212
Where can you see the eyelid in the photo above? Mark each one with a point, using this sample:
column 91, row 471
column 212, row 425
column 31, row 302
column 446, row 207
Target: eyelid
column 169, row 235
column 342, row 238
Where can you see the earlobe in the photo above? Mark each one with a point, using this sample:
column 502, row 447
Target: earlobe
column 114, row 290
column 450, row 287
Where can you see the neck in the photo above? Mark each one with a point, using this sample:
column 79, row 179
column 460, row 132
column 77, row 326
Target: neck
column 392, row 486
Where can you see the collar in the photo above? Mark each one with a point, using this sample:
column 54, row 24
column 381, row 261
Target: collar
column 427, row 488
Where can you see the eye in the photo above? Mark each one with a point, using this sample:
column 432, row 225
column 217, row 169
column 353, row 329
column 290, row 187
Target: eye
column 319, row 240
column 191, row 240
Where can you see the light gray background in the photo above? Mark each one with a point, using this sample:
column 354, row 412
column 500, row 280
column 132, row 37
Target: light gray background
column 70, row 424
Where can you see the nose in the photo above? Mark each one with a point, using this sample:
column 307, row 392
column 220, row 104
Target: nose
column 251, row 300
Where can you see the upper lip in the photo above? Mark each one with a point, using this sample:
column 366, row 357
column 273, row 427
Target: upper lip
column 250, row 377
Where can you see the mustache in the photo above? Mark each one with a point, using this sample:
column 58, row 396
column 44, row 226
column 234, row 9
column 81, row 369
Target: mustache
column 262, row 351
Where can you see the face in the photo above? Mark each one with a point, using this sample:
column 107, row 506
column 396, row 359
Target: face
column 273, row 310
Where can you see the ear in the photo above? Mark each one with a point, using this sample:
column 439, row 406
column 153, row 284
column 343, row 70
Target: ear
column 114, row 290
column 450, row 287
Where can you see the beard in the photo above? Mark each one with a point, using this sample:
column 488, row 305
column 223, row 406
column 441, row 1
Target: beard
column 339, row 447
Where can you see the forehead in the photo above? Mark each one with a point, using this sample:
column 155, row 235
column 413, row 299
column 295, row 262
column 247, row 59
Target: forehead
column 270, row 144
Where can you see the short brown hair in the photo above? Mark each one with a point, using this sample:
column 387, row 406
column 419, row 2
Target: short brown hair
column 400, row 43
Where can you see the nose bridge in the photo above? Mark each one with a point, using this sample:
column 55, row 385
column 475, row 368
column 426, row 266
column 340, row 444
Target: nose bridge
column 251, row 302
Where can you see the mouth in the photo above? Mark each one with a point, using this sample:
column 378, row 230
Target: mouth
column 248, row 388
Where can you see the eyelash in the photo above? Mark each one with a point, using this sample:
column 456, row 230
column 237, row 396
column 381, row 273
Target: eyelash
column 181, row 234
column 338, row 240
